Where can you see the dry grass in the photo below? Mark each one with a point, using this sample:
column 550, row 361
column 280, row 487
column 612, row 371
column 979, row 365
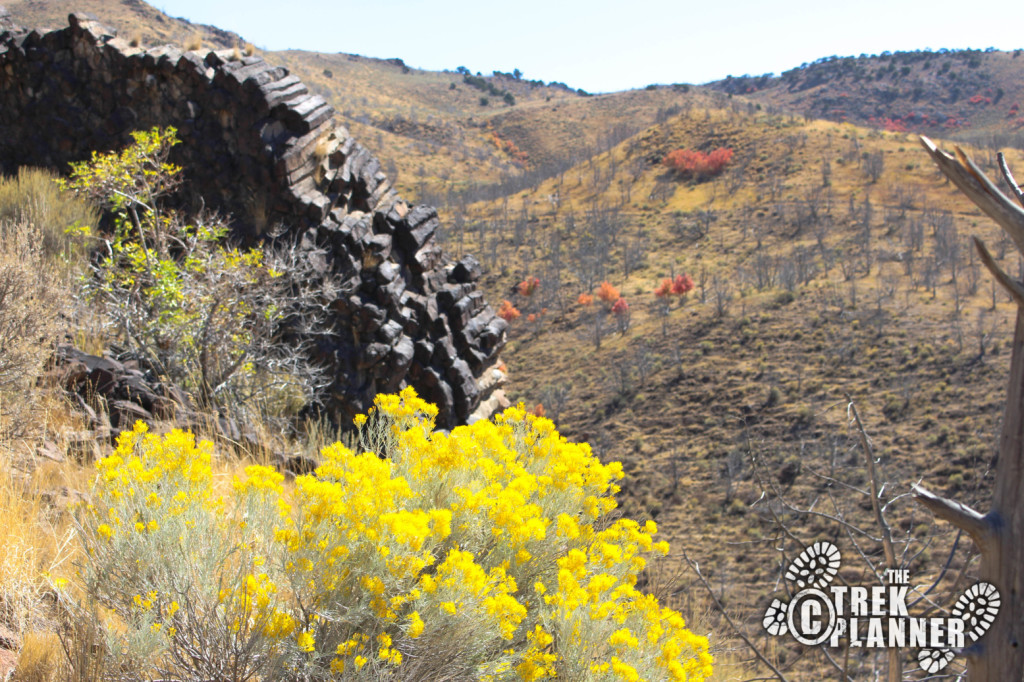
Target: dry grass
column 320, row 152
column 41, row 658
column 194, row 43
column 323, row 144
column 38, row 262
column 38, row 541
column 33, row 295
column 32, row 197
column 768, row 378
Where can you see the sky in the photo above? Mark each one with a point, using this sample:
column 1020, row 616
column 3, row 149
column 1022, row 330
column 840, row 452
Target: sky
column 603, row 46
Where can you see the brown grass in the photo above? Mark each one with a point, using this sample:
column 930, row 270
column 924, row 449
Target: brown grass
column 38, row 262
column 41, row 658
column 33, row 197
column 767, row 379
column 32, row 298
column 320, row 151
column 38, row 542
column 194, row 43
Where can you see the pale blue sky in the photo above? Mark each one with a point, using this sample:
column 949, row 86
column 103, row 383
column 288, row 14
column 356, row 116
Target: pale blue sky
column 603, row 46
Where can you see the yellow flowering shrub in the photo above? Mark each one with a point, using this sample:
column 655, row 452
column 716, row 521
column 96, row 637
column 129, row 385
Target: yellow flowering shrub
column 486, row 553
column 180, row 568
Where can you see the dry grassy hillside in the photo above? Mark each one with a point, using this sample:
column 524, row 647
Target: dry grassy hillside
column 442, row 136
column 431, row 129
column 134, row 20
column 973, row 94
column 829, row 261
column 447, row 138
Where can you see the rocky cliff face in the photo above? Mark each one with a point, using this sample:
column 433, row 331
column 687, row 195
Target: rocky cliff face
column 259, row 146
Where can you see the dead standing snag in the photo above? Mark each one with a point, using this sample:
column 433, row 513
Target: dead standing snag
column 998, row 534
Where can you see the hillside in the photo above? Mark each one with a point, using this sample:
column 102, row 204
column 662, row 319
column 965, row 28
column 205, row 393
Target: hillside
column 134, row 20
column 440, row 136
column 813, row 283
column 830, row 262
column 972, row 94
column 445, row 137
column 454, row 136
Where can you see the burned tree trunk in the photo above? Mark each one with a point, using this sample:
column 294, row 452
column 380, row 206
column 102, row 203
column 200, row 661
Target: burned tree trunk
column 998, row 534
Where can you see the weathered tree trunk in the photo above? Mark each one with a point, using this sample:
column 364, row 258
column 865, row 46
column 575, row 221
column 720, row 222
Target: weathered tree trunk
column 999, row 534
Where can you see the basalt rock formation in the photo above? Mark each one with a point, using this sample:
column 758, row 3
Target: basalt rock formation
column 257, row 145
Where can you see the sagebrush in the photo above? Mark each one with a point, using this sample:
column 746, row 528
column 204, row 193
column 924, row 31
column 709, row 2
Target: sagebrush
column 489, row 553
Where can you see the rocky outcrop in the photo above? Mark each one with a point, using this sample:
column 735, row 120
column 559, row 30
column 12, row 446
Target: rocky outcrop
column 259, row 146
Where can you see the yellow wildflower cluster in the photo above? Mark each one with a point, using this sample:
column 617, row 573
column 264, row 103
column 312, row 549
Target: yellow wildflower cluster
column 141, row 457
column 490, row 545
column 157, row 539
column 538, row 663
column 435, row 530
column 148, row 479
column 260, row 478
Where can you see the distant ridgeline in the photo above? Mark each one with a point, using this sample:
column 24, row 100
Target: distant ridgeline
column 258, row 145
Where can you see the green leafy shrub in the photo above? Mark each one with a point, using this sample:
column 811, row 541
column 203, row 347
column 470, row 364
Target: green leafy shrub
column 488, row 553
column 206, row 313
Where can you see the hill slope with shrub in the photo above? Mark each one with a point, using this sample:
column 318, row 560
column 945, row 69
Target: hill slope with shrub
column 440, row 136
column 830, row 263
column 973, row 94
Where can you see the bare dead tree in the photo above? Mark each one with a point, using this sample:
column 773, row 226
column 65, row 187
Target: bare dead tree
column 848, row 473
column 999, row 533
column 874, row 163
column 722, row 293
column 555, row 397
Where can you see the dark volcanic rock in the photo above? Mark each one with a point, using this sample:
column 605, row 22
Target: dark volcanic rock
column 259, row 146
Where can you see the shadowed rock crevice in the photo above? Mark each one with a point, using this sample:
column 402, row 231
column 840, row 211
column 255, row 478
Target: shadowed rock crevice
column 259, row 146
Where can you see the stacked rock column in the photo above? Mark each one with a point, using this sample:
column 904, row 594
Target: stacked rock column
column 260, row 147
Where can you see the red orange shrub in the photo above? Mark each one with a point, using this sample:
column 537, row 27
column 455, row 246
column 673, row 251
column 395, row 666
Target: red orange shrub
column 509, row 147
column 682, row 285
column 528, row 286
column 607, row 293
column 508, row 312
column 690, row 162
